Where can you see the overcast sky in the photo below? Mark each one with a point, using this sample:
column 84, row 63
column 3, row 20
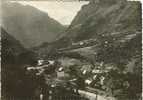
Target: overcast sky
column 63, row 12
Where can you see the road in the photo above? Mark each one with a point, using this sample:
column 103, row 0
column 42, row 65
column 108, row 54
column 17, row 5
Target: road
column 93, row 96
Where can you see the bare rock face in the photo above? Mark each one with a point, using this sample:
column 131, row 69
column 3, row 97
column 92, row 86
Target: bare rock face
column 29, row 25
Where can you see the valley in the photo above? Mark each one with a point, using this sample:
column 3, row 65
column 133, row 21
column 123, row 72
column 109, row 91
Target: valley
column 96, row 57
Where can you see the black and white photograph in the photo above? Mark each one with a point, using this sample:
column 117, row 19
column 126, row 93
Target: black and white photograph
column 71, row 50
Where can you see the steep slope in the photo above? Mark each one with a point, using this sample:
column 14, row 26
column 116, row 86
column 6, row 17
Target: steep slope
column 29, row 25
column 105, row 17
column 10, row 46
column 12, row 69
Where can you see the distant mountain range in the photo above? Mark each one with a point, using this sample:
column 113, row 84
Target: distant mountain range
column 29, row 25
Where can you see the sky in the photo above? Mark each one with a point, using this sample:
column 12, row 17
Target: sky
column 63, row 12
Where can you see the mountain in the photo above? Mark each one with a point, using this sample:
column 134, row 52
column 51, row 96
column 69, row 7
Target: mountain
column 29, row 25
column 111, row 24
column 113, row 27
column 103, row 24
column 13, row 68
column 10, row 47
column 103, row 17
column 13, row 51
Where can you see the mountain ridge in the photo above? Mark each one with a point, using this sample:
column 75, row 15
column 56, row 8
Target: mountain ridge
column 29, row 25
column 95, row 18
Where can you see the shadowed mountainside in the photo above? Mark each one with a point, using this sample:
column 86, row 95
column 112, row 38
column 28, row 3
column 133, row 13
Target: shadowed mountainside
column 29, row 25
column 15, row 83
